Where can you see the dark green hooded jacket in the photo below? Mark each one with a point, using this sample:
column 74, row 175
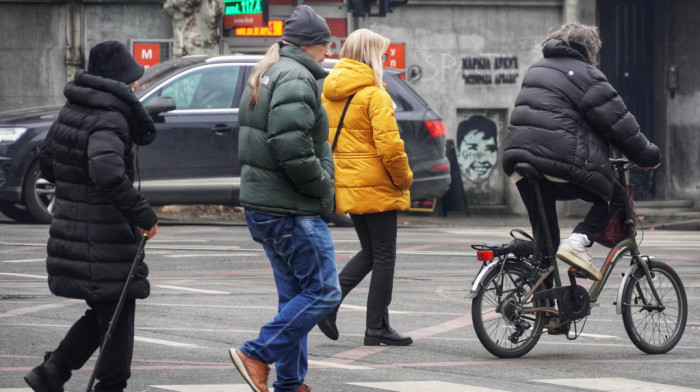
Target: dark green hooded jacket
column 286, row 161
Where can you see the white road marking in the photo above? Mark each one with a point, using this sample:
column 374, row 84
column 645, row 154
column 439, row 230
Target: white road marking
column 24, row 260
column 423, row 386
column 326, row 364
column 15, row 390
column 164, row 342
column 43, row 277
column 596, row 336
column 364, row 308
column 615, row 384
column 201, row 291
column 191, row 255
column 204, row 388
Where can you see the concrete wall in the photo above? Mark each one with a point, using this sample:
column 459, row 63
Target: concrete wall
column 468, row 59
column 32, row 54
column 36, row 38
column 682, row 111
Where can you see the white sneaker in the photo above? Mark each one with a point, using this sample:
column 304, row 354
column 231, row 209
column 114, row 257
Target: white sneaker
column 579, row 258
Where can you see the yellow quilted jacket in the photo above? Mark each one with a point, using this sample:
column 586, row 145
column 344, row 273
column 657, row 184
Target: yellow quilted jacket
column 371, row 167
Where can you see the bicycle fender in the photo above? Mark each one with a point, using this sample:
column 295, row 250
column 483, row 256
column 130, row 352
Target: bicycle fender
column 482, row 273
column 631, row 270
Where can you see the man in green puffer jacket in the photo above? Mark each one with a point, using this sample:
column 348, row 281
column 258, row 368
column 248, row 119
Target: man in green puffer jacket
column 286, row 183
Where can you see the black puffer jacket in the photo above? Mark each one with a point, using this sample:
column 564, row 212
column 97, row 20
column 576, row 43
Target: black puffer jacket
column 565, row 117
column 88, row 154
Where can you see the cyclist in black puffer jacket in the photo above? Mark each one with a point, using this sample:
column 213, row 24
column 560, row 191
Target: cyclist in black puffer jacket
column 565, row 117
column 98, row 216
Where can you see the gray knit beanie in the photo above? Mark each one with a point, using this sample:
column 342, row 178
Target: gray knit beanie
column 305, row 28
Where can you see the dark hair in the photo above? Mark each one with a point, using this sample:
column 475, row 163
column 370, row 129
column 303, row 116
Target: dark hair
column 480, row 123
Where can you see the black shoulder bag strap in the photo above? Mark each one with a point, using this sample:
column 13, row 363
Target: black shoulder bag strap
column 340, row 123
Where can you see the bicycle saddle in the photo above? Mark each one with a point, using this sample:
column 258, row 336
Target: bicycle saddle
column 527, row 171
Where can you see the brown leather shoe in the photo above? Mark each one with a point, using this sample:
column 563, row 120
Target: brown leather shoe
column 304, row 388
column 253, row 371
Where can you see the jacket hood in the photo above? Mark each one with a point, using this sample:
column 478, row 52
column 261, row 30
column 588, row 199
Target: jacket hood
column 347, row 78
column 294, row 52
column 107, row 94
column 559, row 48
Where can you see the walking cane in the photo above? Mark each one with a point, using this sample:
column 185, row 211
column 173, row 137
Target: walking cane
column 117, row 311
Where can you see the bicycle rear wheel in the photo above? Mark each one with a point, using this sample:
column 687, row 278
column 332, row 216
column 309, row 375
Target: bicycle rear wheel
column 652, row 329
column 498, row 324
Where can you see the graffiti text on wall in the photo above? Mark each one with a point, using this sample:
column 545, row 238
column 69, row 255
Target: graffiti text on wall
column 490, row 69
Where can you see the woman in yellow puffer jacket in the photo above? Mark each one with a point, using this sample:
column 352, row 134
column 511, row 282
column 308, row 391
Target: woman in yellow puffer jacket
column 372, row 177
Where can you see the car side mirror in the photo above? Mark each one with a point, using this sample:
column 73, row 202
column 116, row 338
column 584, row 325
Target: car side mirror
column 160, row 105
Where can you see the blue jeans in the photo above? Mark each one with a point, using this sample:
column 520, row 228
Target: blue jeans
column 300, row 250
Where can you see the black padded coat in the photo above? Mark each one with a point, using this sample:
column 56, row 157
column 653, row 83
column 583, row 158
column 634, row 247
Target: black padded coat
column 565, row 118
column 88, row 154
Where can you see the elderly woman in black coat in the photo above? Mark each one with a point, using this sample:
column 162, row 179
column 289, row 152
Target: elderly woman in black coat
column 565, row 117
column 98, row 216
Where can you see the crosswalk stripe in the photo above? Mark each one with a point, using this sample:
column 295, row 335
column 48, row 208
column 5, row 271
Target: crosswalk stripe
column 207, row 255
column 24, row 275
column 15, row 390
column 24, row 260
column 597, row 336
column 615, row 384
column 204, row 388
column 163, row 342
column 326, row 364
column 423, row 386
column 201, row 291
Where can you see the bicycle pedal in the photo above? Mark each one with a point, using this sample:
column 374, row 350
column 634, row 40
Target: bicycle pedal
column 561, row 330
column 578, row 273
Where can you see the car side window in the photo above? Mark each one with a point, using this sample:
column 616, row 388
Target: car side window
column 210, row 87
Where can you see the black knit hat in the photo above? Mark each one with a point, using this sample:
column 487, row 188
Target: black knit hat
column 111, row 59
column 305, row 28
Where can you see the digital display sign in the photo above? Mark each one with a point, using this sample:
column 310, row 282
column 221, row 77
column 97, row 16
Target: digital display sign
column 245, row 13
column 240, row 7
column 273, row 29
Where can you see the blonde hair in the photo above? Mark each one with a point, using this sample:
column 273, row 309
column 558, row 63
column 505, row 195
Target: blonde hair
column 271, row 56
column 367, row 47
column 585, row 35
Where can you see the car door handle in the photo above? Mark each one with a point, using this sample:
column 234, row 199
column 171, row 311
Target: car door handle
column 221, row 129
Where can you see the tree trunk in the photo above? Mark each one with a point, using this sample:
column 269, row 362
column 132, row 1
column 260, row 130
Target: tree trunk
column 196, row 26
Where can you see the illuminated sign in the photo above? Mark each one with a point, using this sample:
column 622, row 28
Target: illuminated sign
column 273, row 29
column 240, row 7
column 245, row 13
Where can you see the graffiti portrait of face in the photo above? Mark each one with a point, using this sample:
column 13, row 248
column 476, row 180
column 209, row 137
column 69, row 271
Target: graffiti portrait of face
column 478, row 148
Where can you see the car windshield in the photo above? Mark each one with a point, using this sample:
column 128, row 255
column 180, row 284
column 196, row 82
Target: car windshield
column 159, row 71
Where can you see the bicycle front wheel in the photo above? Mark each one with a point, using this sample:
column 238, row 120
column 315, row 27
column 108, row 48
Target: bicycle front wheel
column 498, row 324
column 652, row 328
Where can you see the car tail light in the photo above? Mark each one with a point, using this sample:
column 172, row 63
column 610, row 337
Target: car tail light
column 438, row 168
column 427, row 203
column 484, row 255
column 435, row 127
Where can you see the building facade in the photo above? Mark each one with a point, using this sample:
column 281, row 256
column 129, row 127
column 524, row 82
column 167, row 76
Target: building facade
column 466, row 58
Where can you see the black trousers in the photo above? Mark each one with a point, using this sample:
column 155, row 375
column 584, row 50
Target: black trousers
column 85, row 336
column 377, row 235
column 592, row 225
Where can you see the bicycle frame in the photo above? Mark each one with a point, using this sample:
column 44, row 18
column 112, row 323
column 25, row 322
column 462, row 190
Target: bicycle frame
column 627, row 245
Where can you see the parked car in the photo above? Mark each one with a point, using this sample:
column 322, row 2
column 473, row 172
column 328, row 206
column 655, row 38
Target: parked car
column 194, row 103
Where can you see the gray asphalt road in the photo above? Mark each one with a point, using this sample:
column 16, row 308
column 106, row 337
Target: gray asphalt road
column 213, row 289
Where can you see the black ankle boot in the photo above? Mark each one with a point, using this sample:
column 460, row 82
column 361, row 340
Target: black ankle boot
column 386, row 335
column 49, row 376
column 328, row 327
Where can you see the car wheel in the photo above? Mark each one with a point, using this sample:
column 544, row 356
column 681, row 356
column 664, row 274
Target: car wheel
column 38, row 194
column 16, row 213
column 340, row 220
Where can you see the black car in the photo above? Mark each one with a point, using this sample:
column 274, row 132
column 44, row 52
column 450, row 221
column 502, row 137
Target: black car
column 194, row 103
